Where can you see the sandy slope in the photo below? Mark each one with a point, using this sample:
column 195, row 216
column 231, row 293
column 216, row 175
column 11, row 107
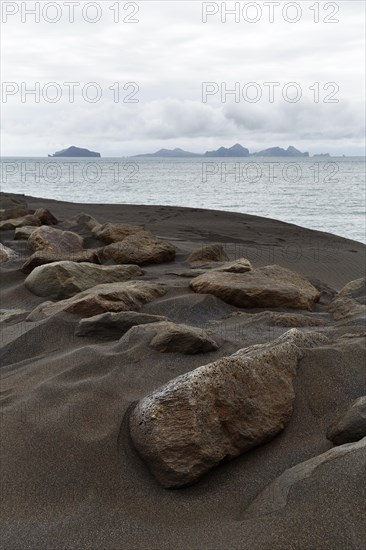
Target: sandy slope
column 70, row 476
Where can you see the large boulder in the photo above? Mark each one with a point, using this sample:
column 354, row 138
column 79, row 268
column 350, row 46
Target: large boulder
column 7, row 254
column 111, row 326
column 270, row 286
column 13, row 223
column 12, row 207
column 140, row 248
column 170, row 337
column 351, row 425
column 60, row 280
column 125, row 296
column 45, row 257
column 218, row 411
column 207, row 254
column 276, row 495
column 350, row 301
column 115, row 232
column 49, row 239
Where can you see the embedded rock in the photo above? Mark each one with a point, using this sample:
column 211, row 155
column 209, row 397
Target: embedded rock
column 115, row 232
column 125, row 296
column 111, row 326
column 7, row 254
column 13, row 223
column 270, row 286
column 351, row 425
column 11, row 207
column 170, row 337
column 207, row 254
column 23, row 233
column 44, row 257
column 48, row 239
column 45, row 217
column 63, row 279
column 218, row 411
column 350, row 301
column 140, row 248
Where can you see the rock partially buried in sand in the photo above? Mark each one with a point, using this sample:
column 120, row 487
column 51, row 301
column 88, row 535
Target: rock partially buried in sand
column 127, row 296
column 351, row 425
column 7, row 254
column 218, row 411
column 111, row 326
column 12, row 207
column 172, row 337
column 242, row 265
column 140, row 248
column 275, row 496
column 44, row 257
column 49, row 239
column 207, row 254
column 270, row 286
column 45, row 216
column 64, row 279
column 23, row 233
column 115, row 232
column 350, row 301
column 13, row 223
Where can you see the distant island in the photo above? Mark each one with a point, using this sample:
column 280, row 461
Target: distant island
column 75, row 152
column 235, row 151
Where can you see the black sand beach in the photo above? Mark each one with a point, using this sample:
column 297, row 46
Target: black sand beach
column 70, row 475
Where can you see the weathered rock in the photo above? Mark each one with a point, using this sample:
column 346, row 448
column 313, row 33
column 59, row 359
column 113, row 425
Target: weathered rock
column 44, row 257
column 52, row 240
column 275, row 496
column 170, row 337
column 81, row 222
column 140, row 248
column 126, row 296
column 7, row 254
column 270, row 286
column 110, row 326
column 350, row 301
column 45, row 217
column 12, row 207
column 23, row 233
column 13, row 223
column 276, row 319
column 60, row 280
column 9, row 315
column 207, row 254
column 218, row 411
column 242, row 265
column 351, row 425
column 115, row 232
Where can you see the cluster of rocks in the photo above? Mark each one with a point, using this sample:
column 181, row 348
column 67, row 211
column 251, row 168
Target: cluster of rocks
column 219, row 410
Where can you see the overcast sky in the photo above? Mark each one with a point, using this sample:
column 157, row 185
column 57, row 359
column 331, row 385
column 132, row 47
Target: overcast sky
column 169, row 53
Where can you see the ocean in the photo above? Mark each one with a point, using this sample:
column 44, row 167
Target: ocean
column 326, row 194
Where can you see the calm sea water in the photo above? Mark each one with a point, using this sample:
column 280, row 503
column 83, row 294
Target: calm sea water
column 326, row 194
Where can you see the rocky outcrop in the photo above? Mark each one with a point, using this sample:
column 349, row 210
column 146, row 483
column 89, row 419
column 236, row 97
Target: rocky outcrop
column 218, row 411
column 350, row 301
column 111, row 326
column 45, row 217
column 60, row 280
column 115, row 232
column 270, row 286
column 140, row 248
column 48, row 239
column 275, row 496
column 75, row 152
column 351, row 425
column 126, row 296
column 207, row 254
column 44, row 257
column 7, row 254
column 171, row 337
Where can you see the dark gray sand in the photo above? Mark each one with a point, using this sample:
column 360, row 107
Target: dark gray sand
column 70, row 477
